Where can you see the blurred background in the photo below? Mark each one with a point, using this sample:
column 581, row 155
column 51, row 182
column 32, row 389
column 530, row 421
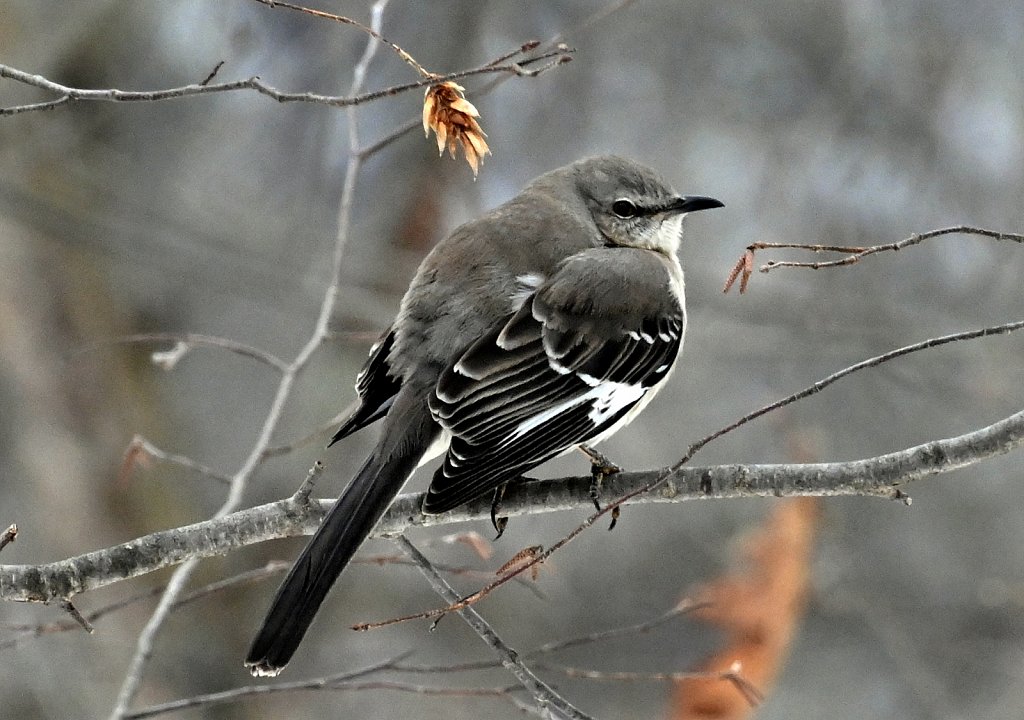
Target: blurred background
column 836, row 122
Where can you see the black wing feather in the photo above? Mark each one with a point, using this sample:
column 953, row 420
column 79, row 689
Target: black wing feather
column 376, row 389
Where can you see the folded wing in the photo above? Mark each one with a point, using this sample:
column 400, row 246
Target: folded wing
column 567, row 368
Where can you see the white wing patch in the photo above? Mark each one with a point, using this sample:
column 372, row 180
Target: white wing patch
column 612, row 397
column 606, row 400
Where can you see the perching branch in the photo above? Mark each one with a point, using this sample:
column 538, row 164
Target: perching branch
column 659, row 481
column 881, row 476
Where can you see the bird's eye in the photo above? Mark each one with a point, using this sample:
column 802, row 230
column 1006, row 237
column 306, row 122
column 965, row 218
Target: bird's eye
column 624, row 208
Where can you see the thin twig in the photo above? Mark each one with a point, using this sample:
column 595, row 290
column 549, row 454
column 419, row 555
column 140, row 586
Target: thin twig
column 341, row 681
column 25, row 631
column 406, row 57
column 255, row 83
column 552, row 647
column 69, row 607
column 323, row 684
column 301, row 495
column 142, row 449
column 9, row 535
column 744, row 267
column 750, row 693
column 317, row 434
column 490, row 86
column 545, row 697
column 449, row 569
column 192, row 340
column 834, row 377
column 681, row 608
column 858, row 253
column 213, row 73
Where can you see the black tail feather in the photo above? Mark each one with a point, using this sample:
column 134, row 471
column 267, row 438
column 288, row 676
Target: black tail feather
column 347, row 524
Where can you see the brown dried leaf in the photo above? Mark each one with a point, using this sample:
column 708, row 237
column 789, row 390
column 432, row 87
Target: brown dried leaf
column 759, row 610
column 465, row 107
column 733, row 274
column 743, row 269
column 748, row 269
column 453, row 119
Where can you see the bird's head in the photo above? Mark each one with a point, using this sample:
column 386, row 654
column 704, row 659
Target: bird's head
column 632, row 206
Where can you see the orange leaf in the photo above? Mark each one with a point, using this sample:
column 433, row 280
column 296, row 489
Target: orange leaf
column 759, row 609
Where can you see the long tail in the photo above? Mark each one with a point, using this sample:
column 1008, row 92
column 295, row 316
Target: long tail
column 348, row 523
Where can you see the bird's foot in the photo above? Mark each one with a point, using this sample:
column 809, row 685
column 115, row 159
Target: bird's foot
column 600, row 468
column 499, row 523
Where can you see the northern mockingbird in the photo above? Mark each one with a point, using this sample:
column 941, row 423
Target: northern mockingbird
column 548, row 323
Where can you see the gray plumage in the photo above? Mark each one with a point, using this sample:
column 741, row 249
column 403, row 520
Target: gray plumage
column 549, row 322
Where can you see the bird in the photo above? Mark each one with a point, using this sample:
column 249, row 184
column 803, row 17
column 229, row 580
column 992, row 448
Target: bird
column 547, row 323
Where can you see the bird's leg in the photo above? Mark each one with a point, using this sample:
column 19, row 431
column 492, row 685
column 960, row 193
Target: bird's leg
column 499, row 523
column 600, row 468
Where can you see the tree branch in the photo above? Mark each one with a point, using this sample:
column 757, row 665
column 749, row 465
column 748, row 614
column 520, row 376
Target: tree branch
column 546, row 698
column 744, row 267
column 548, row 60
column 184, row 342
column 881, row 476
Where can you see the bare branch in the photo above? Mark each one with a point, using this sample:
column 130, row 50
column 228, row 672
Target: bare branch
column 881, row 476
column 319, row 433
column 25, row 631
column 9, row 535
column 555, row 43
column 332, row 683
column 862, row 365
column 744, row 267
column 545, row 697
column 618, row 676
column 68, row 607
column 858, row 253
column 190, row 340
column 354, row 23
column 301, row 495
column 140, row 451
column 449, row 569
column 543, row 62
column 342, row 681
column 681, row 608
column 213, row 73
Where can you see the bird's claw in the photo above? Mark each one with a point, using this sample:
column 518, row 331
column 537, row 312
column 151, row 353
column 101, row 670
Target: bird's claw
column 600, row 468
column 499, row 523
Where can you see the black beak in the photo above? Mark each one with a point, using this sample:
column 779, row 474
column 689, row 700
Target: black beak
column 693, row 203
